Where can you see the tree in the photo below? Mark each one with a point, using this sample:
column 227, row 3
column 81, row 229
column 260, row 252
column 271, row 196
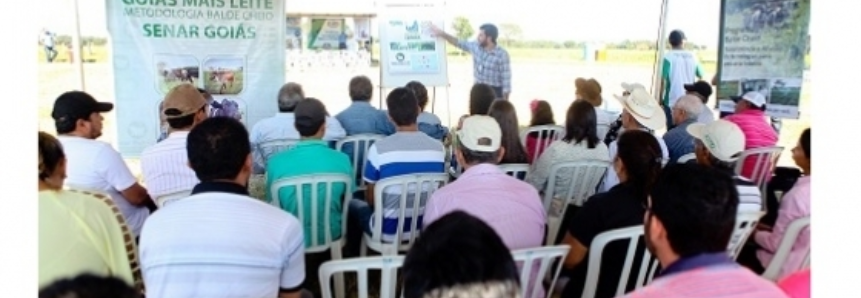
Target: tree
column 509, row 33
column 462, row 29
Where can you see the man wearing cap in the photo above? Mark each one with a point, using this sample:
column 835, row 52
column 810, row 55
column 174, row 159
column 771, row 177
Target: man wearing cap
column 95, row 165
column 686, row 112
column 750, row 117
column 491, row 63
column 165, row 165
column 680, row 67
column 639, row 111
column 616, row 127
column 703, row 90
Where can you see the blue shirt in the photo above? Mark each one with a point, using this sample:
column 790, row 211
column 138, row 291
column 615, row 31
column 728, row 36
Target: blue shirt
column 679, row 141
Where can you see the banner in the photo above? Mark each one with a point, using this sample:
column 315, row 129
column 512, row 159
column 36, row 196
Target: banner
column 363, row 29
column 327, row 34
column 233, row 49
column 762, row 48
column 294, row 33
column 408, row 49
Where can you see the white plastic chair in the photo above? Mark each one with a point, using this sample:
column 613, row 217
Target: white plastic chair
column 516, row 170
column 544, row 257
column 317, row 183
column 453, row 167
column 359, row 156
column 765, row 161
column 585, row 176
column 648, row 265
column 415, row 190
column 546, row 135
column 168, row 198
column 793, row 231
column 265, row 150
column 687, row 157
column 389, row 266
column 745, row 224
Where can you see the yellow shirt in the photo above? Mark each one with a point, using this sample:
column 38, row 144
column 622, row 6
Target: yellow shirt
column 79, row 233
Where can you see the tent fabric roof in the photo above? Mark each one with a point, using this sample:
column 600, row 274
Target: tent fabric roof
column 330, row 8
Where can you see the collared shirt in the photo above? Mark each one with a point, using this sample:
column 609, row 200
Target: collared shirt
column 165, row 166
column 795, row 204
column 311, row 157
column 361, row 118
column 757, row 134
column 489, row 67
column 282, row 127
column 679, row 141
column 219, row 242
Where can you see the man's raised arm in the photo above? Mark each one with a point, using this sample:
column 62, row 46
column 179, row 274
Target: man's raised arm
column 463, row 45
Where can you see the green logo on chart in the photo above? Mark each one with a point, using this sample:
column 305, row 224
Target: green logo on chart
column 399, row 57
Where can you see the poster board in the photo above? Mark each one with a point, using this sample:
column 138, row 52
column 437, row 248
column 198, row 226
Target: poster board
column 294, row 33
column 233, row 49
column 325, row 34
column 762, row 48
column 408, row 50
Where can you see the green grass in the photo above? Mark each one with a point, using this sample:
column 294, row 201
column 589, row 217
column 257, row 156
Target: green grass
column 215, row 88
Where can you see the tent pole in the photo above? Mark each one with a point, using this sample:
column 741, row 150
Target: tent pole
column 77, row 52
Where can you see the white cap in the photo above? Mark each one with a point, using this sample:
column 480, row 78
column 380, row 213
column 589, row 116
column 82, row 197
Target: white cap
column 644, row 108
column 754, row 97
column 480, row 133
column 722, row 138
column 631, row 86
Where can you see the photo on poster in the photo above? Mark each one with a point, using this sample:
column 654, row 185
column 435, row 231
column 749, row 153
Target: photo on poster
column 229, row 107
column 727, row 89
column 785, row 92
column 762, row 86
column 173, row 70
column 224, row 75
column 163, row 127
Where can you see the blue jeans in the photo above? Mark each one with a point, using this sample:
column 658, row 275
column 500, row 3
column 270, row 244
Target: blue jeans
column 50, row 53
column 359, row 217
column 498, row 91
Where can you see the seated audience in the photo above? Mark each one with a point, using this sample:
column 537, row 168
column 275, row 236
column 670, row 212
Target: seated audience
column 580, row 142
column 460, row 253
column 310, row 156
column 165, row 165
column 481, row 96
column 685, row 112
column 689, row 219
column 703, row 90
column 78, row 232
column 88, row 285
column 758, row 133
column 361, row 117
column 638, row 164
column 616, row 126
column 504, row 113
column 219, row 242
column 719, row 145
column 590, row 91
column 428, row 122
column 796, row 285
column 95, row 165
column 542, row 114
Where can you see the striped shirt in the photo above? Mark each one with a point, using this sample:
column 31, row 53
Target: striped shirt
column 749, row 196
column 165, row 166
column 489, row 67
column 679, row 141
column 757, row 134
column 402, row 153
column 711, row 281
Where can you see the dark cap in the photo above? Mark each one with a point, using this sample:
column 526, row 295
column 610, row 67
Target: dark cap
column 702, row 88
column 310, row 113
column 677, row 36
column 74, row 105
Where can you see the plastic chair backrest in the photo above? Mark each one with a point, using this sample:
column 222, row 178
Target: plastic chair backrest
column 265, row 151
column 745, row 224
column 413, row 192
column 317, row 183
column 546, row 135
column 544, row 257
column 778, row 261
column 765, row 160
column 356, row 147
column 389, row 266
column 585, row 176
column 648, row 266
column 687, row 157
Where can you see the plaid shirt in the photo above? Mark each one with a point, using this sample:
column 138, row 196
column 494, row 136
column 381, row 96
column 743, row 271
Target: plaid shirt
column 492, row 68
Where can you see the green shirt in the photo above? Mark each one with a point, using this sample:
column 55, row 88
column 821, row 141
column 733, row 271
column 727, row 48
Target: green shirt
column 306, row 158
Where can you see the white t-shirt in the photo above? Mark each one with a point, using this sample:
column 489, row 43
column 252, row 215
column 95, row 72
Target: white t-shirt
column 707, row 116
column 611, row 179
column 95, row 165
column 682, row 70
column 217, row 244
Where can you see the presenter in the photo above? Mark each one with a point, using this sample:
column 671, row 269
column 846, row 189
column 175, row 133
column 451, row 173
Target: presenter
column 491, row 63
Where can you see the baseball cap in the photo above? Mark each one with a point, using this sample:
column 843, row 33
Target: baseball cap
column 74, row 105
column 309, row 112
column 722, row 138
column 754, row 97
column 700, row 87
column 181, row 101
column 631, row 86
column 480, row 133
column 677, row 36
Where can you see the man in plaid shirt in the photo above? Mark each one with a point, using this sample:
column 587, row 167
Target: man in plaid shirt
column 491, row 63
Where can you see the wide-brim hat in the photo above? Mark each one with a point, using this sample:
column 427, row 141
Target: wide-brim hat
column 644, row 108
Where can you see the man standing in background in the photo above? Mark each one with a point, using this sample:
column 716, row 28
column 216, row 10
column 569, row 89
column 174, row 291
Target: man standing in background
column 491, row 63
column 680, row 68
column 48, row 42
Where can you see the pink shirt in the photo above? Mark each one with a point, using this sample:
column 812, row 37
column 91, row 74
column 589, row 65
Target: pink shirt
column 714, row 281
column 794, row 205
column 757, row 134
column 797, row 285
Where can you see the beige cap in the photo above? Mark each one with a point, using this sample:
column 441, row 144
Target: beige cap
column 181, row 101
column 723, row 139
column 480, row 133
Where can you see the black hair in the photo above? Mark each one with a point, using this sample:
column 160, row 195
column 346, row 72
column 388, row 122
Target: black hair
column 697, row 206
column 805, row 142
column 420, row 91
column 490, row 31
column 89, row 286
column 641, row 154
column 217, row 148
column 477, row 157
column 505, row 114
column 456, row 249
column 310, row 115
column 403, row 106
column 66, row 125
column 481, row 96
column 184, row 121
column 50, row 155
column 581, row 124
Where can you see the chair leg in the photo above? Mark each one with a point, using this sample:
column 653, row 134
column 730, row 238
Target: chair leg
column 339, row 277
column 363, row 251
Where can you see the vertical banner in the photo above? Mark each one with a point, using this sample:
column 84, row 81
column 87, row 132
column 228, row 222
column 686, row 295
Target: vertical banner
column 233, row 49
column 294, row 33
column 362, row 31
column 408, row 50
column 762, row 48
column 325, row 34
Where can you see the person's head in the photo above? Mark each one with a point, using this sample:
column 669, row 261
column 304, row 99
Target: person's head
column 361, row 88
column 801, row 152
column 493, row 289
column 218, row 149
column 487, row 35
column 688, row 107
column 456, row 249
column 701, row 88
column 310, row 115
column 641, row 110
column 481, row 96
column 581, row 124
column 588, row 90
column 78, row 113
column 542, row 113
column 89, row 286
column 52, row 162
column 505, row 114
column 677, row 39
column 753, row 100
column 183, row 107
column 479, row 141
column 289, row 95
column 206, row 95
column 420, row 91
column 717, row 144
column 691, row 210
column 403, row 107
column 638, row 160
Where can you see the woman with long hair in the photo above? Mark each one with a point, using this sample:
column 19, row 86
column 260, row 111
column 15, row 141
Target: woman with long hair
column 504, row 113
column 542, row 114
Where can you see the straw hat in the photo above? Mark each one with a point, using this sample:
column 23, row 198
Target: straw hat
column 644, row 108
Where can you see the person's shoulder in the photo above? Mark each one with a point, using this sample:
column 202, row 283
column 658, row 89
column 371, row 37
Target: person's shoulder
column 96, row 205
